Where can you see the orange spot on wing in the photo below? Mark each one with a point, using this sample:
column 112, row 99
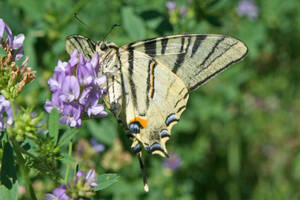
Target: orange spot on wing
column 143, row 122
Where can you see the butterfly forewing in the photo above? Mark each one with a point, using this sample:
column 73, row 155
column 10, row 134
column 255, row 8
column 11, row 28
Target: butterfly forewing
column 83, row 44
column 194, row 58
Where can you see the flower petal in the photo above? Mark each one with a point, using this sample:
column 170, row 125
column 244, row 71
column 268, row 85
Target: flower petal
column 18, row 54
column 2, row 27
column 91, row 175
column 97, row 110
column 51, row 197
column 70, row 89
column 18, row 41
column 9, row 35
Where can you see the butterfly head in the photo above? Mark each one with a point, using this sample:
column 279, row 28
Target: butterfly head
column 103, row 47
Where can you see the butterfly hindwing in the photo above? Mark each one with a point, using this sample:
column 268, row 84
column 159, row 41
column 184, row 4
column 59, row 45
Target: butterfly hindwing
column 156, row 99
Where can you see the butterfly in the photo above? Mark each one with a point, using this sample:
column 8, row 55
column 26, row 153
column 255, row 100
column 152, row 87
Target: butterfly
column 149, row 81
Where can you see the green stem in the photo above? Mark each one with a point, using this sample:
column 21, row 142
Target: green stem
column 20, row 159
column 68, row 165
column 24, row 170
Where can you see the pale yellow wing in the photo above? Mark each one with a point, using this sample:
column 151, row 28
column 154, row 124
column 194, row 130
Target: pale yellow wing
column 194, row 58
column 83, row 44
column 155, row 99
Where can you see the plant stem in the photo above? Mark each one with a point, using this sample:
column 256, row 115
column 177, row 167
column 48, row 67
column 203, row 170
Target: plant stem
column 20, row 159
column 68, row 165
column 24, row 170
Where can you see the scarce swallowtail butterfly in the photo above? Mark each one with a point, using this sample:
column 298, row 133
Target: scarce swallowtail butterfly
column 149, row 81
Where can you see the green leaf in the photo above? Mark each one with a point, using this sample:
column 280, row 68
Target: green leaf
column 2, row 52
column 105, row 131
column 67, row 159
column 11, row 194
column 53, row 124
column 8, row 174
column 133, row 24
column 67, row 136
column 106, row 180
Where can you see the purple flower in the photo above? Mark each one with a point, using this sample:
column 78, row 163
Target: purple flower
column 248, row 8
column 72, row 114
column 55, row 83
column 96, row 146
column 77, row 82
column 70, row 89
column 173, row 162
column 90, row 179
column 14, row 43
column 55, row 102
column 171, row 5
column 82, row 186
column 4, row 27
column 78, row 175
column 6, row 114
column 89, row 98
column 87, row 180
column 58, row 194
column 87, row 72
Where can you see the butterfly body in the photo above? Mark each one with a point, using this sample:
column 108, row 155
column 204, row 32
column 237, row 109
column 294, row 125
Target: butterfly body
column 148, row 82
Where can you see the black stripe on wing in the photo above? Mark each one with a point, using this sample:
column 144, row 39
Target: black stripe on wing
column 215, row 73
column 130, row 71
column 197, row 43
column 83, row 44
column 150, row 48
column 212, row 50
column 164, row 43
column 182, row 54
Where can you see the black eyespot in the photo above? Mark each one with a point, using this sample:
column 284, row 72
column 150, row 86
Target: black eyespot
column 103, row 47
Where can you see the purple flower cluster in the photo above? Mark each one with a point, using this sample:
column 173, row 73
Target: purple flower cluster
column 76, row 89
column 82, row 184
column 173, row 162
column 248, row 8
column 6, row 114
column 171, row 6
column 13, row 43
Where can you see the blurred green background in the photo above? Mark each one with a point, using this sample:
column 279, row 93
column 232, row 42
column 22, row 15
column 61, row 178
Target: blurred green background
column 239, row 137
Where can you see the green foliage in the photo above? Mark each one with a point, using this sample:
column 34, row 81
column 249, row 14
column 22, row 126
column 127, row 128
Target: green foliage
column 239, row 137
column 105, row 181
column 53, row 124
column 2, row 52
column 105, row 130
column 8, row 174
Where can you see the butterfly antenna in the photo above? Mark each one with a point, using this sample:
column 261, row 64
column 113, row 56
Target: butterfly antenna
column 114, row 26
column 80, row 21
column 142, row 166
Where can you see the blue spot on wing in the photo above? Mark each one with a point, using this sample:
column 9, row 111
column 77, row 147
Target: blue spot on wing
column 171, row 118
column 134, row 127
column 164, row 133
